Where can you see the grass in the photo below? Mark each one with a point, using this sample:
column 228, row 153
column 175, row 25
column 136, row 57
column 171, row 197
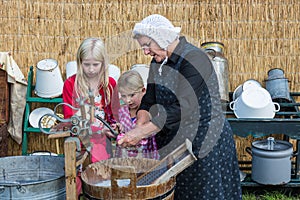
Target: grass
column 273, row 195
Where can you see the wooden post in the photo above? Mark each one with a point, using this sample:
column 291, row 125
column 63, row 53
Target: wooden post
column 70, row 169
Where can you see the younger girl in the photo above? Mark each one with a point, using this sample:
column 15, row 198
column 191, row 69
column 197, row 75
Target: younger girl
column 131, row 88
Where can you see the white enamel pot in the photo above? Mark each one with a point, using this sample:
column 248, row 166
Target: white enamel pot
column 255, row 102
column 71, row 68
column 49, row 82
column 249, row 84
column 37, row 114
column 143, row 70
column 237, row 92
column 114, row 72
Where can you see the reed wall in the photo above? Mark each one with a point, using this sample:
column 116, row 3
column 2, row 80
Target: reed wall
column 258, row 34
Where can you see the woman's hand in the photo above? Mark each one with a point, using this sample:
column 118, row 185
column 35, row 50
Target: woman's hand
column 131, row 138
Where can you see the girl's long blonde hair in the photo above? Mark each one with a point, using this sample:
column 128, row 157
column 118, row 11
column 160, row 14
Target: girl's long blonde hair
column 92, row 47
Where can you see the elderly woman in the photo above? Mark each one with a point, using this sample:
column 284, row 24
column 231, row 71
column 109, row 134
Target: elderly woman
column 182, row 102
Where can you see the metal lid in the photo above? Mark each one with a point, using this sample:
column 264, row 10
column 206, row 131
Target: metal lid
column 278, row 145
column 275, row 73
column 216, row 46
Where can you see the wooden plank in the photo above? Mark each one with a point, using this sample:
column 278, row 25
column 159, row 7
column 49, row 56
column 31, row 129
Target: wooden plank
column 59, row 135
column 168, row 160
column 70, row 169
column 176, row 169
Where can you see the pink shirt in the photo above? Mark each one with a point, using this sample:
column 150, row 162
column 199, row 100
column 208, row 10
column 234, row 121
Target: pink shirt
column 147, row 147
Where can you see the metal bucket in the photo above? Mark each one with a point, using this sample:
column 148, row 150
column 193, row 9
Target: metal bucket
column 32, row 178
column 49, row 82
column 116, row 178
column 278, row 85
column 279, row 89
column 215, row 52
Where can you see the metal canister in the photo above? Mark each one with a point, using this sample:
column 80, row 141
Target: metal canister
column 278, row 85
column 215, row 52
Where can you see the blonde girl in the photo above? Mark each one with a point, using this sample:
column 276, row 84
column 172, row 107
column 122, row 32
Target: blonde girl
column 92, row 75
column 132, row 90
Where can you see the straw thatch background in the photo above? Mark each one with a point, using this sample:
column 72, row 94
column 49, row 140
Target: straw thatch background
column 258, row 35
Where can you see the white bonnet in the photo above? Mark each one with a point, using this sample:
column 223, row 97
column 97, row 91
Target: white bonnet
column 159, row 28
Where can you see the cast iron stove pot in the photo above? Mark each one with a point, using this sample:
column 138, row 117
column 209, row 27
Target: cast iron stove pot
column 271, row 161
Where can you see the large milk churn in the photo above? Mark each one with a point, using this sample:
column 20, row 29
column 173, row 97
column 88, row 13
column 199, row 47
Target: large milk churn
column 220, row 63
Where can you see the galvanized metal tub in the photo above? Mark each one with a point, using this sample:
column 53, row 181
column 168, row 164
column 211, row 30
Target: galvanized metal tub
column 32, row 177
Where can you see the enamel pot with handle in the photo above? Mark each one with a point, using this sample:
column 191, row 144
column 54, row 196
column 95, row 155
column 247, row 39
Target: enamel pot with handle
column 271, row 161
column 49, row 82
column 255, row 102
